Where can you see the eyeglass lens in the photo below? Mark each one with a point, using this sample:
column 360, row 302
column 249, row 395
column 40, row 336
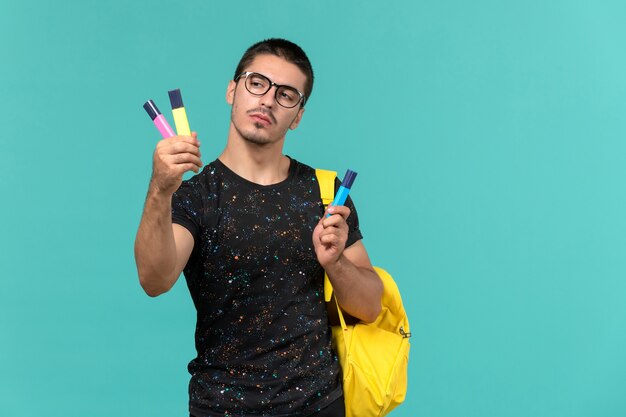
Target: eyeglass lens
column 258, row 84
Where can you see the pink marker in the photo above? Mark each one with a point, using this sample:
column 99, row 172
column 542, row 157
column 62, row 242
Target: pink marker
column 158, row 119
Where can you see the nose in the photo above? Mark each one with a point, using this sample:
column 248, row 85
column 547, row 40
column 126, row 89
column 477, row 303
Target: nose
column 269, row 98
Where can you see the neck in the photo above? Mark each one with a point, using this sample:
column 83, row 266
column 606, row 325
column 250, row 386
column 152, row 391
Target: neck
column 261, row 164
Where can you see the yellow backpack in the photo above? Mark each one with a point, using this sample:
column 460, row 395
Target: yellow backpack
column 374, row 357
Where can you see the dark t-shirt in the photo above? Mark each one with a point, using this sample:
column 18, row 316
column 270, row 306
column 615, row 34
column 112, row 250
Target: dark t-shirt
column 262, row 332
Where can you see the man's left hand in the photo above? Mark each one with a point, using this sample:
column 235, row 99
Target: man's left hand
column 330, row 235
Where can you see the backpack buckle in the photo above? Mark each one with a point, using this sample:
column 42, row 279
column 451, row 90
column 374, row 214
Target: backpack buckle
column 404, row 334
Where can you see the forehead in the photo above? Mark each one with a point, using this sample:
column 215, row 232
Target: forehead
column 278, row 70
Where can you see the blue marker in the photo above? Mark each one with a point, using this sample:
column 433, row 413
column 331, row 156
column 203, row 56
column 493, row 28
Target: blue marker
column 344, row 189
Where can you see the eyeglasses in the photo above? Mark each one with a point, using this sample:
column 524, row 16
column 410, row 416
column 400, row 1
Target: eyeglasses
column 259, row 85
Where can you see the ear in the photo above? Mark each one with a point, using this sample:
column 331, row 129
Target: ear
column 296, row 120
column 230, row 92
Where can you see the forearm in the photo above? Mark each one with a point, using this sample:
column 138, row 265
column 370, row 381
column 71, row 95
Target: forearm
column 358, row 290
column 155, row 247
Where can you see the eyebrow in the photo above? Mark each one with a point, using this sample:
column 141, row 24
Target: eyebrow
column 272, row 80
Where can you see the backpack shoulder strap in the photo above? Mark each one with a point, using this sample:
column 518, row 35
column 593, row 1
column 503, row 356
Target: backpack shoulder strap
column 326, row 180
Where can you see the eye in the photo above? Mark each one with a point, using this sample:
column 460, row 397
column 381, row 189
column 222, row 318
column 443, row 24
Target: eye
column 288, row 95
column 257, row 82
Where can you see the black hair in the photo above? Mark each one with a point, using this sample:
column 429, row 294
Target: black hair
column 282, row 48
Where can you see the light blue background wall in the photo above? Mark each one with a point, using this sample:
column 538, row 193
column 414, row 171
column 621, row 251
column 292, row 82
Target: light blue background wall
column 490, row 142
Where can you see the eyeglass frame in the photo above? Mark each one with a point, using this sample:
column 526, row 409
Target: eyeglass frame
column 272, row 84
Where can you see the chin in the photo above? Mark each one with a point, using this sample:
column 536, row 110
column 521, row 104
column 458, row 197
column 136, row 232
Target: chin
column 256, row 134
column 257, row 139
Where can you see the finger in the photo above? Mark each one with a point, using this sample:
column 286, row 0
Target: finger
column 183, row 147
column 343, row 211
column 335, row 231
column 187, row 139
column 171, row 148
column 332, row 240
column 195, row 136
column 182, row 168
column 184, row 158
column 334, row 221
column 192, row 140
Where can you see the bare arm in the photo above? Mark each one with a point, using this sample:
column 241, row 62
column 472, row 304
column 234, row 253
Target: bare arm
column 162, row 249
column 356, row 285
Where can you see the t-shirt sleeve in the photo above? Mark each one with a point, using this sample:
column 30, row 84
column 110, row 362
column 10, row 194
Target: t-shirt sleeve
column 186, row 208
column 354, row 232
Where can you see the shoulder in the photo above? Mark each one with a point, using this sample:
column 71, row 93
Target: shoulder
column 298, row 165
column 304, row 171
column 202, row 183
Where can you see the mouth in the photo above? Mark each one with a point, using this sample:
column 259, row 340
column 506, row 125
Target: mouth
column 262, row 116
column 259, row 118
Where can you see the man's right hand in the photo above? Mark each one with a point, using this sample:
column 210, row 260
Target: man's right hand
column 172, row 158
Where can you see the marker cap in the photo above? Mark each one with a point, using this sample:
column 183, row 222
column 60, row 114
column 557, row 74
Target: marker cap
column 176, row 99
column 151, row 109
column 348, row 179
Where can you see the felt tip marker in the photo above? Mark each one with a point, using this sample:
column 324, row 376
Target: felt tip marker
column 180, row 115
column 344, row 189
column 158, row 119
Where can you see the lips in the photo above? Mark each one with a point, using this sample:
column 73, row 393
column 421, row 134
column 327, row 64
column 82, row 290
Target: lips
column 258, row 117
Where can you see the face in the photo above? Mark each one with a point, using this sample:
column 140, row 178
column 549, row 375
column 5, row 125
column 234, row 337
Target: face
column 260, row 119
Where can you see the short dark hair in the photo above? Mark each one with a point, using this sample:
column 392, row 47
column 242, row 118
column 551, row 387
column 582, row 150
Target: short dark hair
column 282, row 48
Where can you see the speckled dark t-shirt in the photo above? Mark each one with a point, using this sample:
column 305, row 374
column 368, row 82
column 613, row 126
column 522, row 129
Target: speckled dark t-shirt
column 262, row 333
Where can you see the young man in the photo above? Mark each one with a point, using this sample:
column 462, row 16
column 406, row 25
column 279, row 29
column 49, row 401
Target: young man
column 251, row 236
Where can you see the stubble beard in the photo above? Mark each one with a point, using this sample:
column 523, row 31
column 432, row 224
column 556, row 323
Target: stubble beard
column 258, row 136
